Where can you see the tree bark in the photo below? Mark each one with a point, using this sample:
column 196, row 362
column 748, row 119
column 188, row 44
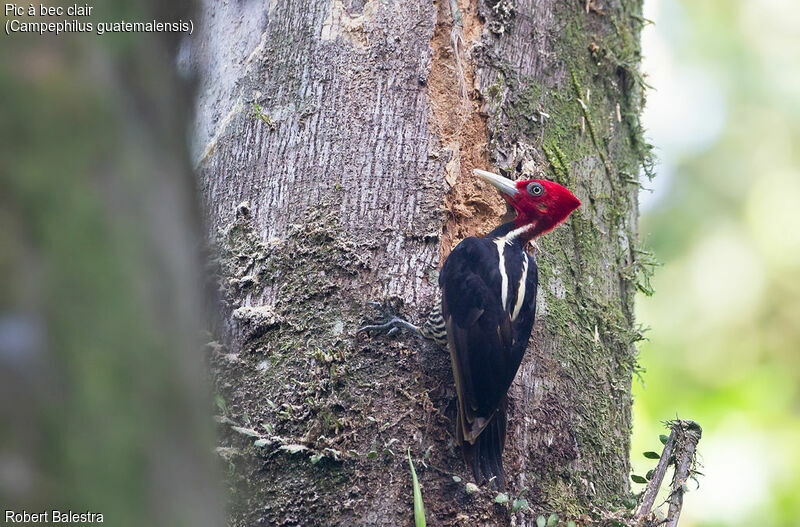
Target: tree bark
column 335, row 147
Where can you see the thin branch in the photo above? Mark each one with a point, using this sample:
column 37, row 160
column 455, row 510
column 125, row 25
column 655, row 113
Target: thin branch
column 678, row 450
column 687, row 436
column 650, row 493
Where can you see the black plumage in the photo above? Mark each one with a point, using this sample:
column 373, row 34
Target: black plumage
column 488, row 304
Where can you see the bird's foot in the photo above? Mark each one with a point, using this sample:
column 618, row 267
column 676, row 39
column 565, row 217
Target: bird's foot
column 388, row 323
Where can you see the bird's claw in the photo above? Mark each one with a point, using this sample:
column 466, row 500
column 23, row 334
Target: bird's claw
column 386, row 326
column 388, row 322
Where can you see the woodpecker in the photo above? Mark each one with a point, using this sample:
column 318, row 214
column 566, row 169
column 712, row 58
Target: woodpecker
column 485, row 316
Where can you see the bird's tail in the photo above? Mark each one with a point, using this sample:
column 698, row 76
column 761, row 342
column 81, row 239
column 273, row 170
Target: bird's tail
column 485, row 455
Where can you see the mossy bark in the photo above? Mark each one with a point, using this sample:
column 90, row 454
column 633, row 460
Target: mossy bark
column 323, row 168
column 563, row 94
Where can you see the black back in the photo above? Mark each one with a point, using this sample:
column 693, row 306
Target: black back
column 486, row 345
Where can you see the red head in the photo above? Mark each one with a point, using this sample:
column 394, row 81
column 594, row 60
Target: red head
column 538, row 202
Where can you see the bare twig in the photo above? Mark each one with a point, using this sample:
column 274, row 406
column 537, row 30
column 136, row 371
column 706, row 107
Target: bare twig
column 687, row 434
column 678, row 450
column 650, row 493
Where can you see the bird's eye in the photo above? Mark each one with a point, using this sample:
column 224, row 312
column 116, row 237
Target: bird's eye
column 535, row 189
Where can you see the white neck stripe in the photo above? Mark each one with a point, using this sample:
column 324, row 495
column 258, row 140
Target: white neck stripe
column 521, row 288
column 501, row 243
column 513, row 235
column 501, row 246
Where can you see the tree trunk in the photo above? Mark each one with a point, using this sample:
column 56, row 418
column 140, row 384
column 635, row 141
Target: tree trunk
column 335, row 147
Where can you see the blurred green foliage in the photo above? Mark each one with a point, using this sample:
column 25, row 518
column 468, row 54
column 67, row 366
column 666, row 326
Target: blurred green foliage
column 101, row 407
column 724, row 343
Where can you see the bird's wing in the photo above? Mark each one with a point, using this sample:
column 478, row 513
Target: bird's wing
column 486, row 348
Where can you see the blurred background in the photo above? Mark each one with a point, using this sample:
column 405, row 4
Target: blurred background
column 103, row 404
column 723, row 217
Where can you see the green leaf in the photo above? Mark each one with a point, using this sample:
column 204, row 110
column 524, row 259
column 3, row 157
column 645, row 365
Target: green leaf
column 638, row 479
column 260, row 443
column 501, row 497
column 315, row 458
column 663, row 439
column 456, row 479
column 245, row 431
column 419, row 508
column 540, row 521
column 220, row 401
column 294, row 449
column 649, row 474
column 571, row 523
column 552, row 520
column 470, row 488
column 520, row 504
column 651, row 455
column 372, row 454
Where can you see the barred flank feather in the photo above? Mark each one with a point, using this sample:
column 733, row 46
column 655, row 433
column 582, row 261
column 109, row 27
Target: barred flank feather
column 434, row 327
